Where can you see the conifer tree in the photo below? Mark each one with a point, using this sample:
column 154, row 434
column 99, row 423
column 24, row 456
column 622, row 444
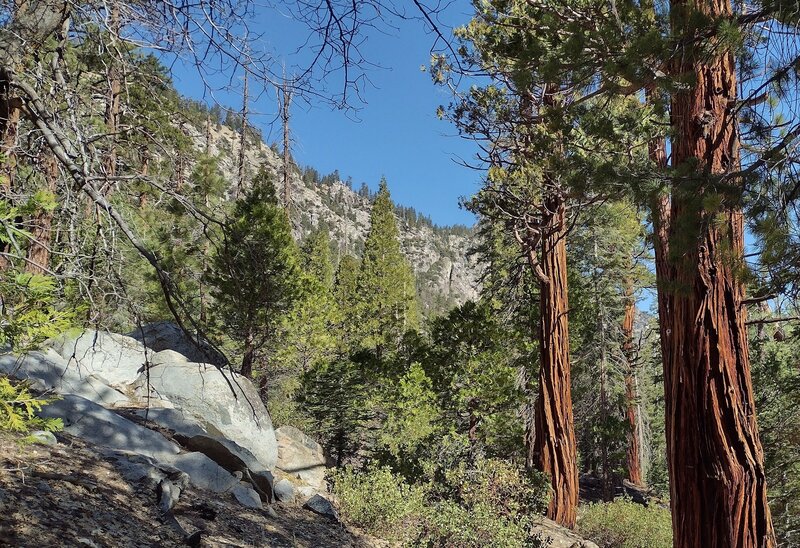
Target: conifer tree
column 385, row 289
column 307, row 334
column 344, row 292
column 255, row 275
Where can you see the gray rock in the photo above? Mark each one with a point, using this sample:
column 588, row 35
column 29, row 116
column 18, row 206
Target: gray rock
column 247, row 496
column 137, row 468
column 224, row 400
column 168, row 495
column 305, row 492
column 167, row 356
column 559, row 537
column 204, row 472
column 43, row 437
column 235, row 459
column 322, row 506
column 182, row 423
column 91, row 422
column 49, row 371
column 160, row 336
column 301, row 456
column 284, row 491
column 115, row 358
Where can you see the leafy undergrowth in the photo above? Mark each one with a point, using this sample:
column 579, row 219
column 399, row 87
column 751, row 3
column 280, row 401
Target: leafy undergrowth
column 68, row 495
column 490, row 504
column 626, row 524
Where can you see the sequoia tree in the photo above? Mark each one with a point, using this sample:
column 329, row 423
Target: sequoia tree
column 718, row 491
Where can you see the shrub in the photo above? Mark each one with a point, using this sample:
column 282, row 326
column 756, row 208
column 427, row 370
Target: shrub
column 625, row 524
column 379, row 502
column 28, row 311
column 491, row 504
column 488, row 504
column 18, row 409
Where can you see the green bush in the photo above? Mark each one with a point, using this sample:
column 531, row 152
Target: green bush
column 625, row 524
column 379, row 502
column 491, row 503
column 18, row 408
column 28, row 310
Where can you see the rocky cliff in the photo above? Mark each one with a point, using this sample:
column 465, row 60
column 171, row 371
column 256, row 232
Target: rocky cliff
column 439, row 255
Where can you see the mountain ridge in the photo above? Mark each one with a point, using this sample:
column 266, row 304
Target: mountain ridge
column 446, row 273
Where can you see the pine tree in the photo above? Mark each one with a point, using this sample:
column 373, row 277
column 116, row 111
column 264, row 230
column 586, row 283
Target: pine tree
column 385, row 290
column 307, row 336
column 255, row 274
column 344, row 292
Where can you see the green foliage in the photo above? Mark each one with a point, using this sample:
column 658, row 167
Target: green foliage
column 492, row 504
column 379, row 502
column 308, row 333
column 386, row 290
column 473, row 359
column 29, row 311
column 334, row 394
column 18, row 409
column 412, row 414
column 625, row 524
column 255, row 275
column 345, row 292
column 776, row 383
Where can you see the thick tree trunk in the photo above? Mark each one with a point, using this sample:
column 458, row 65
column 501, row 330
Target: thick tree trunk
column 717, row 481
column 634, row 453
column 553, row 450
column 42, row 222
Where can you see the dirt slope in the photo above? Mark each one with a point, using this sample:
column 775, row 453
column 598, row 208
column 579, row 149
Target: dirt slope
column 68, row 495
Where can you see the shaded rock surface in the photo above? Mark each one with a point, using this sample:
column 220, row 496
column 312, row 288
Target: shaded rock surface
column 322, row 506
column 92, row 422
column 225, row 400
column 48, row 370
column 204, row 472
column 161, row 336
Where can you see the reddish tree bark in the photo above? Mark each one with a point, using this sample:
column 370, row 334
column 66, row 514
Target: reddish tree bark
column 42, row 222
column 717, row 481
column 553, row 451
column 634, row 454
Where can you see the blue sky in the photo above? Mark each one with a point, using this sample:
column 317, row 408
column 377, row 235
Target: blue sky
column 395, row 131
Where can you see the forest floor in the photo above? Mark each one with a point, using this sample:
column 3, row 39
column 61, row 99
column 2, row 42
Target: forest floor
column 69, row 495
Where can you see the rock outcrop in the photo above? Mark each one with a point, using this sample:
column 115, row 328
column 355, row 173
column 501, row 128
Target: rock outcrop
column 227, row 403
column 155, row 413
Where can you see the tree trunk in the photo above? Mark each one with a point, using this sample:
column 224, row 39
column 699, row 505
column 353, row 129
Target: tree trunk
column 717, row 481
column 113, row 99
column 42, row 222
column 553, row 451
column 9, row 121
column 601, row 330
column 634, row 454
column 248, row 356
column 287, row 188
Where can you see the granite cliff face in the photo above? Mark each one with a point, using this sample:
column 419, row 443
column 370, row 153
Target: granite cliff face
column 446, row 276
